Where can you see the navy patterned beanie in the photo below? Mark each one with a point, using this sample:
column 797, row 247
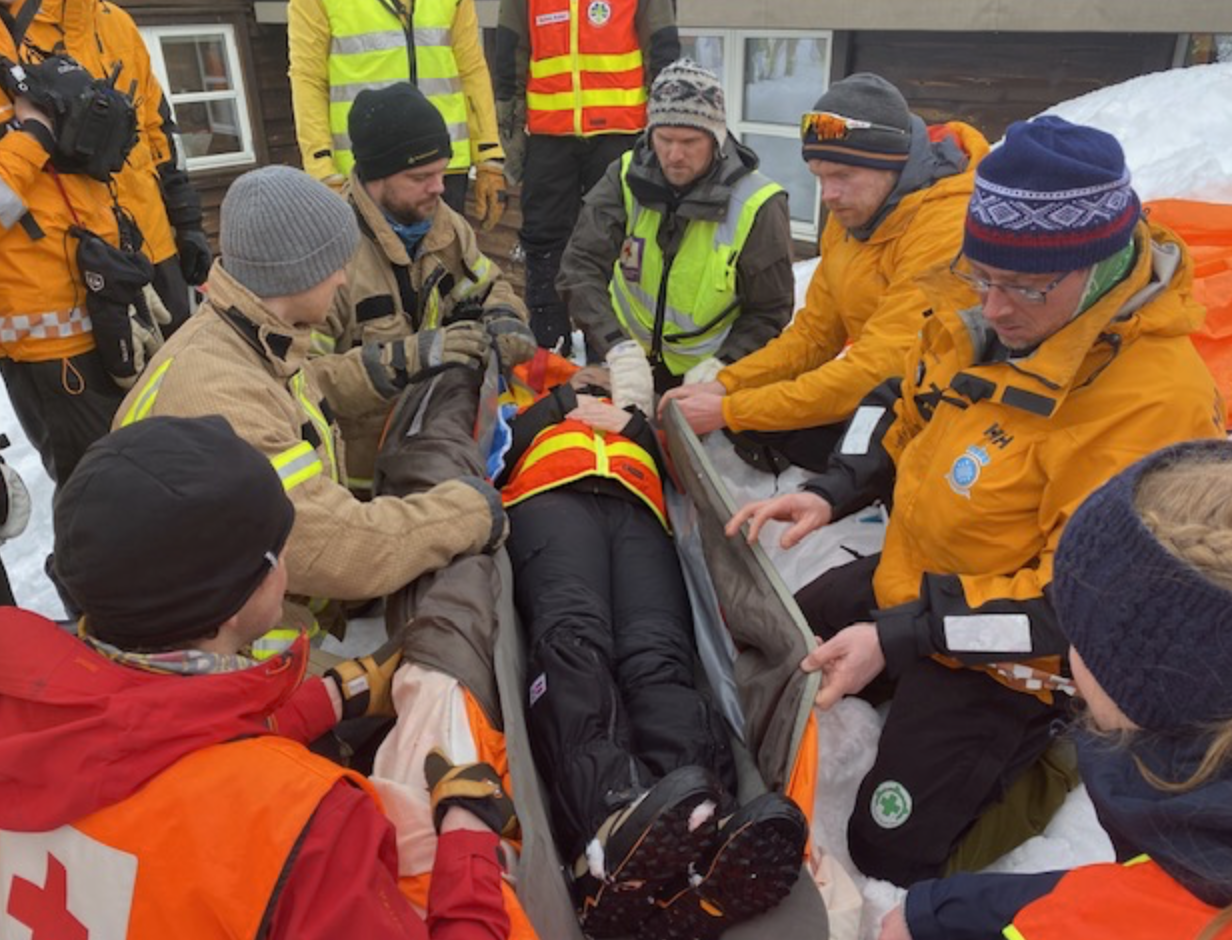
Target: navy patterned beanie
column 1153, row 630
column 1053, row 197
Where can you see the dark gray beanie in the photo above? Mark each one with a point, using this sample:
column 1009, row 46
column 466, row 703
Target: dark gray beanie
column 1154, row 631
column 283, row 232
column 884, row 140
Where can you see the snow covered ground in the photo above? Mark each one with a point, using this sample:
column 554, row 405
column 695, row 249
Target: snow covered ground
column 1177, row 131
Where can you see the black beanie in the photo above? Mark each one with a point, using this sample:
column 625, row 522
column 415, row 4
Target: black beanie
column 870, row 126
column 166, row 528
column 395, row 128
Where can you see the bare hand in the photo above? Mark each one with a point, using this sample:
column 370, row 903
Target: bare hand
column 806, row 511
column 599, row 414
column 894, row 926
column 25, row 111
column 591, row 375
column 702, row 410
column 848, row 662
column 683, row 393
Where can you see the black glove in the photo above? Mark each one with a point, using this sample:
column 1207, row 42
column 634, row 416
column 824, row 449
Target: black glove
column 94, row 125
column 476, row 787
column 120, row 318
column 195, row 255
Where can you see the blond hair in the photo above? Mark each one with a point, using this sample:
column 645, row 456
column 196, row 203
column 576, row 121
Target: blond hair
column 1188, row 508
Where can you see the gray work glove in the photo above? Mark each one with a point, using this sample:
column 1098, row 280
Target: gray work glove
column 393, row 365
column 14, row 501
column 514, row 340
column 511, row 124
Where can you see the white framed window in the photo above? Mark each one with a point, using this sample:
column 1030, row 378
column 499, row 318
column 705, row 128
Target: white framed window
column 199, row 69
column 770, row 78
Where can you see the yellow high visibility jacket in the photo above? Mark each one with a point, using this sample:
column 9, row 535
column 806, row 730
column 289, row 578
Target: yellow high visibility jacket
column 701, row 301
column 340, row 47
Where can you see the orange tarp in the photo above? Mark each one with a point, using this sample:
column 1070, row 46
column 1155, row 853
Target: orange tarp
column 1206, row 228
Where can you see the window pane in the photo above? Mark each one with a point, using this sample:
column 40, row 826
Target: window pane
column 196, row 63
column 783, row 77
column 209, row 127
column 706, row 51
column 780, row 160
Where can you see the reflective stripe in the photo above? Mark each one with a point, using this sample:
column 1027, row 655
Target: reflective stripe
column 51, row 325
column 628, row 307
column 457, row 132
column 324, row 430
column 279, row 640
column 297, row 464
column 564, row 64
column 593, row 98
column 321, row 344
column 466, row 287
column 380, row 41
column 145, row 399
column 431, row 87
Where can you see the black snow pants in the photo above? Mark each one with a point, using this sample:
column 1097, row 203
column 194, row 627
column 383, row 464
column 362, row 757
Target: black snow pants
column 613, row 703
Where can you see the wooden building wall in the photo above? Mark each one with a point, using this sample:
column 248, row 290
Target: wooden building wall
column 990, row 80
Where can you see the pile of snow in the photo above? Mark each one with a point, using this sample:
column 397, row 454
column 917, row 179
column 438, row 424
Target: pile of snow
column 1176, row 128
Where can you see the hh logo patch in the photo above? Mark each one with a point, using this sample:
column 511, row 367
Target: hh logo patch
column 538, row 687
column 599, row 12
column 891, row 805
column 966, row 470
column 631, row 259
column 64, row 884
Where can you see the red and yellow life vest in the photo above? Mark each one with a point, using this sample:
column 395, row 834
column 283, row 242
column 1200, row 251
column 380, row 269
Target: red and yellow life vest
column 572, row 450
column 587, row 76
column 197, row 852
column 1135, row 901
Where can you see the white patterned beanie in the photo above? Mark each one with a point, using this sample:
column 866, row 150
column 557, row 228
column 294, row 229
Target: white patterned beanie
column 686, row 95
column 1053, row 197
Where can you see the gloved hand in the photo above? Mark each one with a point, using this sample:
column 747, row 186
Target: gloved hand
column 490, row 195
column 705, row 371
column 366, row 683
column 14, row 501
column 476, row 787
column 195, row 255
column 465, row 342
column 632, row 380
column 125, row 331
column 511, row 124
column 514, row 340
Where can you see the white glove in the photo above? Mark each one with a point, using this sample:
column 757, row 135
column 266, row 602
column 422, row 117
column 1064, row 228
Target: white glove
column 147, row 340
column 158, row 309
column 632, row 381
column 705, row 371
column 16, row 509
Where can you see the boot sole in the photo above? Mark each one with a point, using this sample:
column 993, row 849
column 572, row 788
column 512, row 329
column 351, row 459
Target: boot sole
column 664, row 848
column 754, row 867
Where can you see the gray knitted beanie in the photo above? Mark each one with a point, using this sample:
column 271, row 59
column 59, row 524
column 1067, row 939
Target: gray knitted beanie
column 686, row 95
column 862, row 120
column 284, row 232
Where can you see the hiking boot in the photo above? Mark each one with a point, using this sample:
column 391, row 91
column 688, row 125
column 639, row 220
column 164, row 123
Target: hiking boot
column 643, row 848
column 751, row 868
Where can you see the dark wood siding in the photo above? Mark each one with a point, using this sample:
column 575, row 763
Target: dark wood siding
column 992, row 79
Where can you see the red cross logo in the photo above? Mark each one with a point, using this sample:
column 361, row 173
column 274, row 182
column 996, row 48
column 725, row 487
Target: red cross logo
column 45, row 910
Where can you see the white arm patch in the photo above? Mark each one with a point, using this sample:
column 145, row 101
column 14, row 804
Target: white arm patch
column 988, row 633
column 860, row 432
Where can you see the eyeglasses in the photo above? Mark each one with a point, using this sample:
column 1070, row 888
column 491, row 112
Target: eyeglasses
column 826, row 125
column 1035, row 296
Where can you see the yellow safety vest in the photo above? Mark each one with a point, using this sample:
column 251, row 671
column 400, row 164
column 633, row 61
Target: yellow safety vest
column 370, row 48
column 701, row 302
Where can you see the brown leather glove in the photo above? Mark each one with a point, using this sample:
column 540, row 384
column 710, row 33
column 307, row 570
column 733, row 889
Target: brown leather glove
column 366, row 683
column 490, row 195
column 475, row 787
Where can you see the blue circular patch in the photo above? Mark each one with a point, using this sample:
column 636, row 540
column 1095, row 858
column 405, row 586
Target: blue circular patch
column 966, row 471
